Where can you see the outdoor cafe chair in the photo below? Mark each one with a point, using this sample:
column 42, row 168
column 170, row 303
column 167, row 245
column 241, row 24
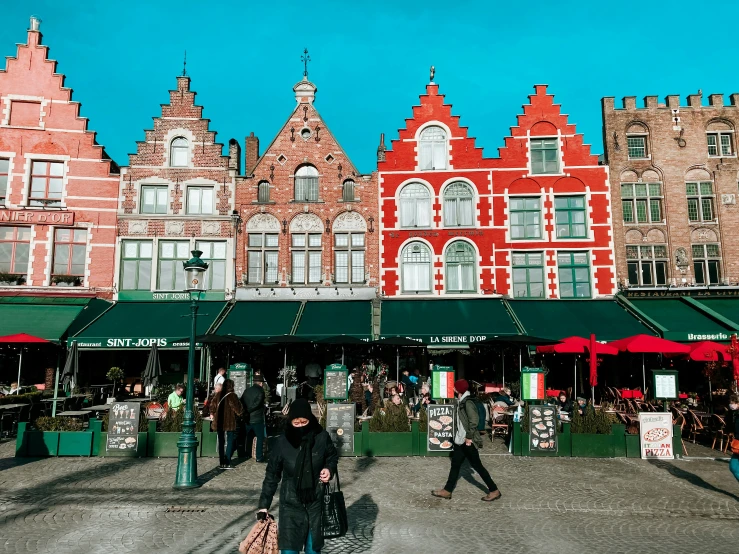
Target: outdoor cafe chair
column 696, row 426
column 680, row 420
column 719, row 431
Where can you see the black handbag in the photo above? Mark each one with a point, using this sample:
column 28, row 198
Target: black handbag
column 334, row 520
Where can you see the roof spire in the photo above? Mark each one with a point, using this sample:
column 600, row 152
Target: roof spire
column 184, row 65
column 305, row 58
column 35, row 23
column 433, row 72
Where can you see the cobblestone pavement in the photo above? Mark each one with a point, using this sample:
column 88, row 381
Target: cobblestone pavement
column 115, row 505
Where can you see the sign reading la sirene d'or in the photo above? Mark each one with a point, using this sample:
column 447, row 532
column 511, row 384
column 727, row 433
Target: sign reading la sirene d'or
column 42, row 217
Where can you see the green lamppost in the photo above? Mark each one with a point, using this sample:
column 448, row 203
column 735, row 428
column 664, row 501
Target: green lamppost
column 187, row 461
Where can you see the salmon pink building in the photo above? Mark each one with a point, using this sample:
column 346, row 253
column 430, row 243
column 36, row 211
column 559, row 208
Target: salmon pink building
column 533, row 223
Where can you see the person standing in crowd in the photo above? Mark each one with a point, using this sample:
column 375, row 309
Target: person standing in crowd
column 253, row 401
column 174, row 400
column 734, row 426
column 408, row 387
column 225, row 409
column 220, row 377
column 467, row 440
column 313, row 373
column 304, row 457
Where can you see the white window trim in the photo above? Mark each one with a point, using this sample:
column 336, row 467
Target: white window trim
column 477, row 270
column 529, row 162
column 432, row 198
column 733, row 143
column 449, row 138
column 475, row 203
column 169, row 137
column 152, row 182
column 33, row 157
column 399, row 264
column 646, row 145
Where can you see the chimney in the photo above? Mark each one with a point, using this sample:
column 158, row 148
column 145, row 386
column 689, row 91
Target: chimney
column 252, row 153
column 381, row 149
column 183, row 83
column 34, row 31
column 35, row 24
column 234, row 155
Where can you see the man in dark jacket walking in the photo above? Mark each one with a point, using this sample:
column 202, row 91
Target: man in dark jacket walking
column 253, row 400
column 303, row 458
column 467, row 440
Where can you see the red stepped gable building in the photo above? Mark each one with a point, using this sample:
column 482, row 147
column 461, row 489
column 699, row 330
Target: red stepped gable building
column 533, row 223
column 58, row 214
column 308, row 216
column 177, row 195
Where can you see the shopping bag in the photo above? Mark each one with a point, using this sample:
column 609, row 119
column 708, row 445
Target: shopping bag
column 334, row 521
column 735, row 446
column 262, row 539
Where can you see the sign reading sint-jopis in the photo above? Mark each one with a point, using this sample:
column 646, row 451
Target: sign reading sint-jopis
column 122, row 343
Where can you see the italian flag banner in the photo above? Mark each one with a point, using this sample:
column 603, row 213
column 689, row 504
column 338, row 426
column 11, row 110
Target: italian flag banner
column 442, row 384
column 533, row 386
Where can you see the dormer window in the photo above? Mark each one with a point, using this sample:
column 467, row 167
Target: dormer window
column 432, row 149
column 306, row 184
column 263, row 192
column 179, row 152
column 347, row 191
column 544, row 155
column 636, row 141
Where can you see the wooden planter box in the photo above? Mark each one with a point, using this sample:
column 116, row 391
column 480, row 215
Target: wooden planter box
column 389, row 444
column 75, row 443
column 164, row 445
column 618, row 430
column 36, row 443
column 633, row 446
column 592, row 446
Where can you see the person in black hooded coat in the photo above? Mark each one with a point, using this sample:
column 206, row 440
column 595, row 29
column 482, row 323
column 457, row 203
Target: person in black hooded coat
column 303, row 457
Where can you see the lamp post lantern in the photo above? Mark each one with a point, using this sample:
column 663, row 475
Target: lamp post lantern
column 187, row 461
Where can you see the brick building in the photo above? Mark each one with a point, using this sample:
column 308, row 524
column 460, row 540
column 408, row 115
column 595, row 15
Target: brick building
column 176, row 195
column 532, row 223
column 59, row 198
column 674, row 178
column 307, row 214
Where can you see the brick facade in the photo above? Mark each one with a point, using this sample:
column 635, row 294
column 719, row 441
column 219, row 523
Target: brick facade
column 176, row 194
column 296, row 239
column 467, row 236
column 674, row 201
column 60, row 199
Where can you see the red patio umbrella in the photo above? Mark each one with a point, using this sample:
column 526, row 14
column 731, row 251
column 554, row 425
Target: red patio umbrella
column 709, row 351
column 20, row 338
column 647, row 344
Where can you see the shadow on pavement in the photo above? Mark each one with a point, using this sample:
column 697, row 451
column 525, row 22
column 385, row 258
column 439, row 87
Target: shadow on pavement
column 469, row 475
column 691, row 478
column 362, row 515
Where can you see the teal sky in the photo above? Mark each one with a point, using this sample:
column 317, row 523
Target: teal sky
column 371, row 61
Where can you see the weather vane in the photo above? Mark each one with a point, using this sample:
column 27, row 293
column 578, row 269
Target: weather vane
column 433, row 72
column 184, row 65
column 305, row 58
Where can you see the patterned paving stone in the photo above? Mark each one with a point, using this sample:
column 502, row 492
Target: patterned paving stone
column 105, row 505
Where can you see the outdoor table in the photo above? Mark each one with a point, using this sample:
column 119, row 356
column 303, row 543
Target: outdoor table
column 552, row 393
column 631, row 394
column 11, row 406
column 99, row 408
column 75, row 413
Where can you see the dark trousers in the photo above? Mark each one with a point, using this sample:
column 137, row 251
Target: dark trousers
column 459, row 455
column 226, row 445
column 258, row 430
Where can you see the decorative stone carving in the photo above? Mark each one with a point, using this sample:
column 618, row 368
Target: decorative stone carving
column 138, row 227
column 681, row 260
column 655, row 235
column 263, row 222
column 174, row 228
column 211, row 228
column 306, row 223
column 634, row 236
column 350, row 221
column 703, row 235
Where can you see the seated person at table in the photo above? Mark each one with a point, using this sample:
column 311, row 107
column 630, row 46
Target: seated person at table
column 174, row 401
column 424, row 399
column 582, row 405
column 563, row 403
column 505, row 396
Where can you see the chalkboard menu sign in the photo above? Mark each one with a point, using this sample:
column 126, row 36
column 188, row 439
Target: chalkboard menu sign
column 123, row 426
column 441, row 427
column 242, row 377
column 336, row 382
column 542, row 429
column 340, row 425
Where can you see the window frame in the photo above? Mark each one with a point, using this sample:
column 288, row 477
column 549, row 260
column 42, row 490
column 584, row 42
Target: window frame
column 718, row 143
column 70, row 244
column 404, row 198
column 201, row 188
column 4, row 180
column 650, row 201
column 349, row 191
column 181, row 149
column 303, row 180
column 449, row 195
column 525, row 210
column 175, row 261
column 651, row 262
column 262, row 250
column 529, row 267
column 570, row 210
column 138, row 259
column 308, row 252
column 572, row 268
column 212, row 261
column 557, row 149
column 644, row 146
column 706, row 261
column 433, row 153
column 458, row 266
column 700, row 201
column 156, row 188
column 261, row 188
column 351, row 250
column 427, row 263
column 47, row 177
column 15, row 242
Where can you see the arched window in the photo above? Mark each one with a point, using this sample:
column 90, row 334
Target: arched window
column 306, row 184
column 460, row 267
column 179, row 152
column 415, row 205
column 432, row 148
column 263, row 192
column 458, row 210
column 416, row 268
column 347, row 192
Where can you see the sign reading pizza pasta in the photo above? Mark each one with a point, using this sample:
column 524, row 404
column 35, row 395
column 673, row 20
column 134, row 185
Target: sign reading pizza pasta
column 442, row 382
column 532, row 384
column 655, row 430
column 441, row 428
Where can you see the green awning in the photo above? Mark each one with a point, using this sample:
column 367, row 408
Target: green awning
column 723, row 310
column 50, row 318
column 446, row 322
column 557, row 319
column 130, row 325
column 260, row 319
column 333, row 318
column 685, row 319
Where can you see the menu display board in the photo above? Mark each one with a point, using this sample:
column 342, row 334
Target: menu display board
column 665, row 384
column 123, row 426
column 340, row 425
column 442, row 382
column 533, row 383
column 441, row 427
column 336, row 382
column 242, row 377
column 542, row 429
column 655, row 430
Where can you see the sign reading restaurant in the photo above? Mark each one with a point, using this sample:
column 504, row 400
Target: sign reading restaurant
column 42, row 217
column 142, row 342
